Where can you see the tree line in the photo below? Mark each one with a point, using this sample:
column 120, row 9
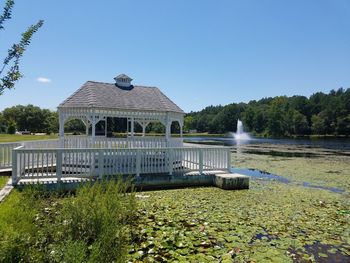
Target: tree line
column 36, row 120
column 320, row 114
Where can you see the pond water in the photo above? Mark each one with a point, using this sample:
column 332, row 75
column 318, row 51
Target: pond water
column 257, row 174
column 326, row 143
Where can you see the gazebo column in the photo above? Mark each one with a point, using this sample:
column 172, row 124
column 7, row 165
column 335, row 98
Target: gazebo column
column 105, row 126
column 168, row 130
column 143, row 124
column 61, row 130
column 181, row 132
column 144, row 129
column 132, row 127
column 127, row 127
column 93, row 130
column 87, row 125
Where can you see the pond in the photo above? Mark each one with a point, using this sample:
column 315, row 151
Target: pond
column 326, row 143
column 257, row 174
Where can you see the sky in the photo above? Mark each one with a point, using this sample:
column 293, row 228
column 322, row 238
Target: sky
column 198, row 52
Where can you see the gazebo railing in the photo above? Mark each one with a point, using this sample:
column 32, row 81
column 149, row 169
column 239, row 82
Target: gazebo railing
column 130, row 142
column 82, row 142
column 96, row 163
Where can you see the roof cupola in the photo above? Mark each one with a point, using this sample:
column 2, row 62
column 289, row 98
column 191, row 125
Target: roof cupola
column 123, row 80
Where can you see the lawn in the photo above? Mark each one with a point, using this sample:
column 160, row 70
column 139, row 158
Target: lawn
column 19, row 137
column 3, row 181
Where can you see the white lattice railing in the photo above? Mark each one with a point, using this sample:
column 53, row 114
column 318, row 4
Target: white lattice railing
column 60, row 163
column 135, row 142
column 6, row 154
column 82, row 142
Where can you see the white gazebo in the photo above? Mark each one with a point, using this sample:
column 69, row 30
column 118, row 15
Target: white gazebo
column 78, row 157
column 96, row 101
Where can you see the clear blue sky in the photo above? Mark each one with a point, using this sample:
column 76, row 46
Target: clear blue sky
column 197, row 52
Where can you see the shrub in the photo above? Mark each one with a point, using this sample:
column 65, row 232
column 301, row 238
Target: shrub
column 100, row 216
column 94, row 225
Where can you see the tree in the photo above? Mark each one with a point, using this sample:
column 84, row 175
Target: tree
column 3, row 124
column 9, row 72
column 188, row 123
column 318, row 125
column 32, row 118
column 11, row 128
column 343, row 125
column 276, row 115
column 300, row 124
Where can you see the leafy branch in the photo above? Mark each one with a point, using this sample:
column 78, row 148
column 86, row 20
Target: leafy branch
column 9, row 72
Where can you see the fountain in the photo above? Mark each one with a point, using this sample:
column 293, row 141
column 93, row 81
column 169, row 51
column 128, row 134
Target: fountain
column 240, row 135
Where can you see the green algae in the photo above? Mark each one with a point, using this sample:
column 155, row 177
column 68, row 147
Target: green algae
column 325, row 170
column 270, row 222
column 263, row 224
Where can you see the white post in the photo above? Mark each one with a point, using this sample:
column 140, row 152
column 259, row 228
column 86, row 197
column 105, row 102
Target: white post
column 100, row 163
column 93, row 125
column 228, row 160
column 168, row 130
column 143, row 129
column 127, row 127
column 106, row 127
column 132, row 127
column 87, row 129
column 200, row 160
column 171, row 162
column 59, row 164
column 14, row 167
column 61, row 130
column 138, row 162
column 144, row 124
column 181, row 132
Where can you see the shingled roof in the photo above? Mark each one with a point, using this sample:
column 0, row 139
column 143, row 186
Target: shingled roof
column 107, row 95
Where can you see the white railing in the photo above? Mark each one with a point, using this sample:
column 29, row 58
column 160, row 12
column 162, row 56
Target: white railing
column 6, row 154
column 130, row 142
column 82, row 142
column 77, row 163
column 41, row 144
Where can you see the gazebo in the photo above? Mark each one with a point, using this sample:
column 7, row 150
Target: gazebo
column 96, row 101
column 146, row 157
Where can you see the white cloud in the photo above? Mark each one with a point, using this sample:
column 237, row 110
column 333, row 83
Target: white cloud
column 43, row 80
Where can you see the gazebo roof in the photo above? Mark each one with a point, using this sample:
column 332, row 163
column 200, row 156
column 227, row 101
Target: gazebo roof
column 107, row 95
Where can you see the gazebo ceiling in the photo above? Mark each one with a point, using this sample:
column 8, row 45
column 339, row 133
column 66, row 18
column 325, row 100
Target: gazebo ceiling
column 99, row 95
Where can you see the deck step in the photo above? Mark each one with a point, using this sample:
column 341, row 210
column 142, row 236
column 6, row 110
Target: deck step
column 231, row 181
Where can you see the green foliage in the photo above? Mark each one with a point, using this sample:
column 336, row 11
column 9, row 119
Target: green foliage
column 320, row 114
column 15, row 53
column 94, row 225
column 74, row 125
column 11, row 128
column 318, row 124
column 188, row 123
column 99, row 217
column 31, row 118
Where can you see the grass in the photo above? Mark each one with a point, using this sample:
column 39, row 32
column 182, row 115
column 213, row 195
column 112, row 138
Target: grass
column 19, row 137
column 3, row 181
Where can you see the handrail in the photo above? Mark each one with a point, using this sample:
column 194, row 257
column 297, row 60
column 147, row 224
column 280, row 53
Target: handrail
column 56, row 163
